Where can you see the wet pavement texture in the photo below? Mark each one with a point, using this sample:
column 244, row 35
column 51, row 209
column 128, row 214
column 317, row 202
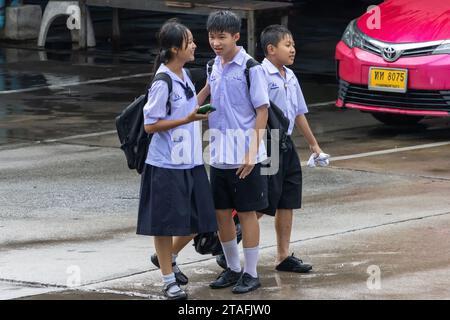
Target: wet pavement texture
column 68, row 202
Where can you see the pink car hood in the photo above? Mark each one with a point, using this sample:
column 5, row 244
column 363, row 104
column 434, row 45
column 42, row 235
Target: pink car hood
column 409, row 21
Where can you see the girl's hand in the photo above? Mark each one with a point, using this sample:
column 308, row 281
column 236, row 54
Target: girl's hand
column 194, row 116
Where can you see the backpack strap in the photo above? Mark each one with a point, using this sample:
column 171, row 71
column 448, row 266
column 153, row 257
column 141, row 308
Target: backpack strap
column 209, row 67
column 162, row 76
column 250, row 64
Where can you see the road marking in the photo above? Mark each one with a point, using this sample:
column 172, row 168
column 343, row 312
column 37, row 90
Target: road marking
column 81, row 136
column 388, row 151
column 321, row 104
column 71, row 84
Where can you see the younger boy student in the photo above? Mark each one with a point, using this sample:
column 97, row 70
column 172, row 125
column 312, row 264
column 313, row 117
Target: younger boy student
column 285, row 187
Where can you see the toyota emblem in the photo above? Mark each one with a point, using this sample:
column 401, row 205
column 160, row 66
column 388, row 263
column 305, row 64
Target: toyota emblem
column 390, row 54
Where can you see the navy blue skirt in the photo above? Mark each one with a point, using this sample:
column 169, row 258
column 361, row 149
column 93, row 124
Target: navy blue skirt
column 175, row 202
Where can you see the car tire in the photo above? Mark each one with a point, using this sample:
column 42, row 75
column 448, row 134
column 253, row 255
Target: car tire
column 397, row 119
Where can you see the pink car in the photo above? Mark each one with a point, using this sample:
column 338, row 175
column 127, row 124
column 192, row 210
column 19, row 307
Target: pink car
column 394, row 61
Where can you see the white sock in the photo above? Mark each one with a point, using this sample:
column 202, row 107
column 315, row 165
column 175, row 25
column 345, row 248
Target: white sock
column 251, row 261
column 231, row 252
column 174, row 260
column 168, row 279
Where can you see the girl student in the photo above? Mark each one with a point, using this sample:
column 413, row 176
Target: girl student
column 175, row 196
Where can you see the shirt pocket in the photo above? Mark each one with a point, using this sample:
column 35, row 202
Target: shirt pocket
column 237, row 91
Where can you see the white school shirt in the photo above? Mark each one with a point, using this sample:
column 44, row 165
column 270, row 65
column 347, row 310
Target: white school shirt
column 180, row 147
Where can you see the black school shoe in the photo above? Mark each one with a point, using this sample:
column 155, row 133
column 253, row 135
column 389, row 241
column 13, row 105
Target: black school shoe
column 177, row 295
column 226, row 279
column 293, row 264
column 180, row 277
column 246, row 284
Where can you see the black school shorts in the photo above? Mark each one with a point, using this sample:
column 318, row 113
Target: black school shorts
column 230, row 192
column 285, row 187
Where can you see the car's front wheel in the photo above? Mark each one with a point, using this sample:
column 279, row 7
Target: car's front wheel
column 397, row 119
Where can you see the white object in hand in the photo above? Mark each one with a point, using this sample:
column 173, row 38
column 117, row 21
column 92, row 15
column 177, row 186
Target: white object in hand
column 321, row 160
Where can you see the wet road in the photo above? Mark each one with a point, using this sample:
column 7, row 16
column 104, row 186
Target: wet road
column 68, row 203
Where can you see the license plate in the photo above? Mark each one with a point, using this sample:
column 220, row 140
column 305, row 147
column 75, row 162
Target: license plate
column 387, row 79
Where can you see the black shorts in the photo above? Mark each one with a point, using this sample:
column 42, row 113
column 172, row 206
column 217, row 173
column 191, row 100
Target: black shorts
column 285, row 187
column 175, row 202
column 230, row 192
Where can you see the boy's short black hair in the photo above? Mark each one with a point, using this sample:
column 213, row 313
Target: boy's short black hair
column 273, row 34
column 223, row 21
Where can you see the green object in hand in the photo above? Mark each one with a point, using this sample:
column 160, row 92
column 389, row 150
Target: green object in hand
column 205, row 109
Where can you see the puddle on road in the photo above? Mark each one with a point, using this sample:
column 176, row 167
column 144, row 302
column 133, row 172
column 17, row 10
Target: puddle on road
column 11, row 79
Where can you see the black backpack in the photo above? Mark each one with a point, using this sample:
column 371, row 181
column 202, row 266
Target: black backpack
column 134, row 141
column 209, row 243
column 276, row 119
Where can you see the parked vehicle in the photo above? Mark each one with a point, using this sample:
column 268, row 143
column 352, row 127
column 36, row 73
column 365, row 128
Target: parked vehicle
column 400, row 71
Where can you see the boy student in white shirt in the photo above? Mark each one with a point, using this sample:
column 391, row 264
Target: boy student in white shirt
column 285, row 187
column 236, row 180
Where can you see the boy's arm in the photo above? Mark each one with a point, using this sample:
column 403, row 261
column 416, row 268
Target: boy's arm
column 259, row 97
column 203, row 94
column 206, row 90
column 301, row 122
column 262, row 114
column 303, row 127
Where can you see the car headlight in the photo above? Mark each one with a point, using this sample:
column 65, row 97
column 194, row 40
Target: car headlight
column 444, row 48
column 352, row 36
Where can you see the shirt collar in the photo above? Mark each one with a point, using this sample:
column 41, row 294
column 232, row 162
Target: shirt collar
column 273, row 70
column 239, row 58
column 175, row 77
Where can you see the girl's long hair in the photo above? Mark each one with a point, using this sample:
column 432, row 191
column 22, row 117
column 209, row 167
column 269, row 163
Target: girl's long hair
column 171, row 35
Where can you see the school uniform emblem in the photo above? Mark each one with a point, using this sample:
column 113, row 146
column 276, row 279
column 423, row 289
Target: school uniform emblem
column 176, row 97
column 237, row 77
column 273, row 86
